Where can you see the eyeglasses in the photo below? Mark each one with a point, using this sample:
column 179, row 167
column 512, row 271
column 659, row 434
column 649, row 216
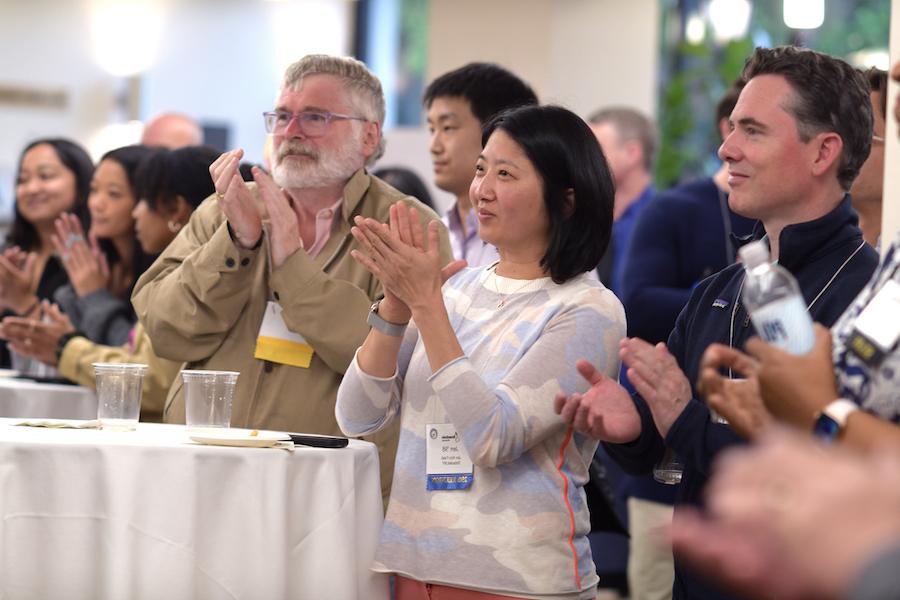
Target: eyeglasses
column 312, row 123
column 877, row 139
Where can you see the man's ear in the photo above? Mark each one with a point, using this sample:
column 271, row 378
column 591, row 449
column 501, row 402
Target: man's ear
column 828, row 148
column 371, row 137
column 634, row 151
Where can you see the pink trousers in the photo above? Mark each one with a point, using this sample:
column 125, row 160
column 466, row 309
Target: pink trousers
column 410, row 589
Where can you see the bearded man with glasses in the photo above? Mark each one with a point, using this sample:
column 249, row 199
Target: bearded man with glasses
column 261, row 280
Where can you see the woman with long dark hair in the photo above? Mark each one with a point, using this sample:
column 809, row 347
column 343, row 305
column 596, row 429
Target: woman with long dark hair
column 104, row 267
column 53, row 177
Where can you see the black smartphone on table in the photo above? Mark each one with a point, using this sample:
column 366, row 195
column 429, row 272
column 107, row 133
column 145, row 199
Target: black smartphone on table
column 318, row 441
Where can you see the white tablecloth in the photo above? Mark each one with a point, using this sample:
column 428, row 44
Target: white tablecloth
column 87, row 514
column 25, row 398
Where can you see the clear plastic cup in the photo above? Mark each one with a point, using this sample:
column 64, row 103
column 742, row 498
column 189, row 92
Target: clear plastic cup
column 207, row 398
column 119, row 394
column 669, row 469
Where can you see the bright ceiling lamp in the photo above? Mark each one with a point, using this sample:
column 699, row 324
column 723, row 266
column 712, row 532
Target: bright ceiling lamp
column 126, row 34
column 695, row 29
column 730, row 19
column 804, row 14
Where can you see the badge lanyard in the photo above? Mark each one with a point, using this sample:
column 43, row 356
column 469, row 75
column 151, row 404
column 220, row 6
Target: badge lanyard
column 737, row 299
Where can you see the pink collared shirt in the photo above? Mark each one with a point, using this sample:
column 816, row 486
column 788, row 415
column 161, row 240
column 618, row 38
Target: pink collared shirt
column 468, row 246
column 327, row 220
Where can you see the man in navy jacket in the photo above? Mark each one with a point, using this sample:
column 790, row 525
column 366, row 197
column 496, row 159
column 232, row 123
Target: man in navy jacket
column 800, row 131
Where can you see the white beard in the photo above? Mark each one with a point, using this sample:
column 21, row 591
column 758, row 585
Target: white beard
column 319, row 168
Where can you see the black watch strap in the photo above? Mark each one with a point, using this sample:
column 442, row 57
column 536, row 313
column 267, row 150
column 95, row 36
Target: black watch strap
column 63, row 340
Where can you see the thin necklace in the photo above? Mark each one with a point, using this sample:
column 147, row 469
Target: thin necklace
column 504, row 297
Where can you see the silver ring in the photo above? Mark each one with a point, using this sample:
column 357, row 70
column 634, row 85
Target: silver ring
column 72, row 239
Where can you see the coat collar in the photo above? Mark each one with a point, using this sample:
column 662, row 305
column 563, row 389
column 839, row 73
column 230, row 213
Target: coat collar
column 801, row 242
column 356, row 188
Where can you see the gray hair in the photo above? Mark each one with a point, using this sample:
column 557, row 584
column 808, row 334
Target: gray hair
column 364, row 91
column 630, row 125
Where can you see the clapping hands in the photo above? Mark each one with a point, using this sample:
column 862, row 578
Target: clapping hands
column 245, row 214
column 37, row 338
column 16, row 276
column 604, row 412
column 405, row 259
column 84, row 260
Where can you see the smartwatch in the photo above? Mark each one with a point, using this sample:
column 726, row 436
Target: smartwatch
column 379, row 324
column 833, row 419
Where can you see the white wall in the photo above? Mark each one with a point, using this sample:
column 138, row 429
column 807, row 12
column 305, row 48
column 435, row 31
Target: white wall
column 583, row 54
column 43, row 45
column 219, row 61
column 222, row 60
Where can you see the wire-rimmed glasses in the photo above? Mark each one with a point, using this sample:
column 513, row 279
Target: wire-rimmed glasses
column 312, row 123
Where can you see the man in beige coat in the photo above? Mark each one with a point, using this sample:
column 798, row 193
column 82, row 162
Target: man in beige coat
column 261, row 280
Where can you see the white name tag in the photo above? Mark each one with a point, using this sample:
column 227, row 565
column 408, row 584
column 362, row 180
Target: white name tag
column 447, row 464
column 277, row 343
column 879, row 320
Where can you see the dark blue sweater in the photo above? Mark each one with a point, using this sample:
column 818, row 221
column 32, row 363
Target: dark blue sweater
column 680, row 239
column 812, row 251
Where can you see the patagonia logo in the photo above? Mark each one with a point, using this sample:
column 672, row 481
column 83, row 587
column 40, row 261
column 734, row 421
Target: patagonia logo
column 720, row 303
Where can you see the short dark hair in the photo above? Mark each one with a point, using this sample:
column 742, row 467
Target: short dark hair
column 728, row 100
column 630, row 124
column 878, row 82
column 489, row 89
column 75, row 159
column 406, row 181
column 566, row 154
column 166, row 174
column 829, row 95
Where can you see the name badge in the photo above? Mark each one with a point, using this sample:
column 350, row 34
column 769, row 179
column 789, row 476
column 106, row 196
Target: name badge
column 876, row 329
column 447, row 464
column 277, row 343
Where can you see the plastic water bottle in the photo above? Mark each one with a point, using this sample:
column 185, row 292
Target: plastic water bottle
column 774, row 301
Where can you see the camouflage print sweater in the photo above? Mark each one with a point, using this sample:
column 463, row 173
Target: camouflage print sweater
column 521, row 528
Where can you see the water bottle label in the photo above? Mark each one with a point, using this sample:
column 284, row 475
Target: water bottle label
column 786, row 324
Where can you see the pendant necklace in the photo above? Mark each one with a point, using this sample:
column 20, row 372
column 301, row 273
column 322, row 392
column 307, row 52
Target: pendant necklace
column 505, row 296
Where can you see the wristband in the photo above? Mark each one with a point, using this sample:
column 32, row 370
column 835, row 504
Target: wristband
column 377, row 323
